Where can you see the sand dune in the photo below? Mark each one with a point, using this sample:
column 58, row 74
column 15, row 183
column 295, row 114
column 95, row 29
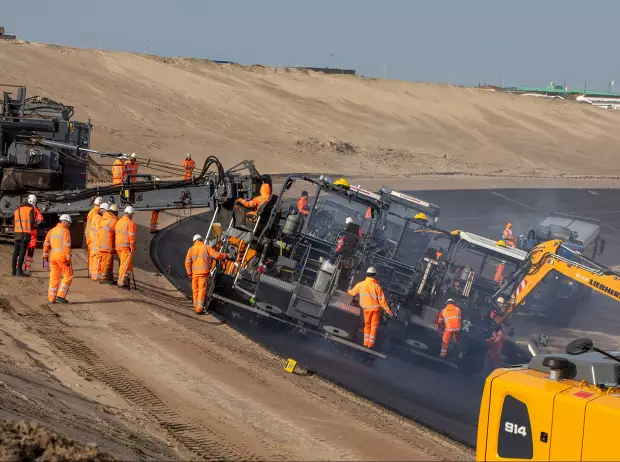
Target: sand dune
column 290, row 120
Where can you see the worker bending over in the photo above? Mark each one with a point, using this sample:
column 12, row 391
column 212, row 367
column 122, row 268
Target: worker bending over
column 23, row 224
column 32, row 244
column 198, row 266
column 94, row 212
column 118, row 171
column 130, row 167
column 106, row 240
column 303, row 207
column 508, row 236
column 57, row 253
column 450, row 319
column 372, row 300
column 125, row 232
column 189, row 165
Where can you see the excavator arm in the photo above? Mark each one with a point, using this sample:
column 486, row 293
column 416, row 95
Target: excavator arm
column 544, row 259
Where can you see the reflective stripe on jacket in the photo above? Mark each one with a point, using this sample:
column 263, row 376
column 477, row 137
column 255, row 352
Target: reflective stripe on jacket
column 125, row 231
column 106, row 232
column 23, row 219
column 371, row 295
column 57, row 245
column 302, row 206
column 95, row 222
column 118, row 171
column 451, row 317
column 189, row 165
column 130, row 168
column 198, row 258
column 89, row 223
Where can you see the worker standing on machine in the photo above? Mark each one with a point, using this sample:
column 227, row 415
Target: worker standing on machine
column 198, row 266
column 118, row 171
column 32, row 244
column 95, row 224
column 106, row 241
column 508, row 236
column 154, row 218
column 57, row 252
column 94, row 212
column 130, row 167
column 23, row 224
column 372, row 300
column 303, row 207
column 125, row 236
column 189, row 165
column 450, row 319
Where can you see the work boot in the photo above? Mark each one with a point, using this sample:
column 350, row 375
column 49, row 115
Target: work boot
column 106, row 282
column 27, row 272
column 201, row 312
column 61, row 300
column 123, row 287
column 13, row 272
column 21, row 274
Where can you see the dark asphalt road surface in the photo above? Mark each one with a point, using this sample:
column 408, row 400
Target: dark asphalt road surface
column 422, row 390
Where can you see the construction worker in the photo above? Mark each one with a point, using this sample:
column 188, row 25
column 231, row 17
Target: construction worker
column 248, row 209
column 421, row 218
column 131, row 167
column 438, row 253
column 189, row 165
column 499, row 273
column 118, row 171
column 495, row 342
column 508, row 236
column 198, row 266
column 154, row 218
column 125, row 231
column 106, row 241
column 94, row 247
column 303, row 207
column 32, row 244
column 23, row 224
column 87, row 234
column 450, row 319
column 372, row 300
column 57, row 252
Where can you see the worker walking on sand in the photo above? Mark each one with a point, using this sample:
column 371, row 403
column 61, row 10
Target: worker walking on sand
column 508, row 236
column 94, row 212
column 154, row 218
column 23, row 224
column 125, row 245
column 450, row 319
column 189, row 165
column 57, row 253
column 372, row 300
column 95, row 258
column 118, row 171
column 106, row 241
column 32, row 244
column 198, row 266
column 130, row 167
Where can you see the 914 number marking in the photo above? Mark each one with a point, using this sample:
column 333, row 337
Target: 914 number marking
column 515, row 429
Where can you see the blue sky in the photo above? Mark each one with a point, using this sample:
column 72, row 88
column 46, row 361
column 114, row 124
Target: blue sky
column 525, row 42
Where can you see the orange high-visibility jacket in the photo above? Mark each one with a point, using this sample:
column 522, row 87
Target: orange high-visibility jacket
column 189, row 164
column 451, row 317
column 302, row 206
column 265, row 194
column 23, row 219
column 57, row 245
column 106, row 232
column 89, row 220
column 95, row 222
column 118, row 172
column 131, row 168
column 198, row 258
column 125, row 231
column 371, row 295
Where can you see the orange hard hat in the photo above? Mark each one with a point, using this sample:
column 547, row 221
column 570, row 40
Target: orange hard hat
column 509, row 225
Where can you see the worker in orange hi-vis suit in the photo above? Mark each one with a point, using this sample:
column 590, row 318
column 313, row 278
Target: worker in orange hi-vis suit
column 32, row 244
column 508, row 236
column 198, row 266
column 256, row 202
column 499, row 273
column 189, row 165
column 57, row 252
column 94, row 212
column 131, row 167
column 118, row 171
column 372, row 300
column 450, row 318
column 125, row 245
column 154, row 218
column 105, row 244
column 303, row 207
column 94, row 247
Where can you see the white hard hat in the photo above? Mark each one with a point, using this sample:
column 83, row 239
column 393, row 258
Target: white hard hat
column 500, row 300
column 98, row 200
column 133, row 155
column 450, row 300
column 129, row 209
column 113, row 208
column 105, row 206
column 188, row 156
column 32, row 199
column 371, row 270
column 196, row 237
column 348, row 220
column 66, row 218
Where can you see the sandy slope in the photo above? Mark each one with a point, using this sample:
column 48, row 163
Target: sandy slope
column 295, row 121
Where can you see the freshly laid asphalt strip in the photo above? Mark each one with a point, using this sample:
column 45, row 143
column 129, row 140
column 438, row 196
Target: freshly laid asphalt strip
column 429, row 393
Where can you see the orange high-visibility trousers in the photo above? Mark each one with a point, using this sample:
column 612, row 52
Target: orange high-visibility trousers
column 95, row 261
column 126, row 259
column 58, row 287
column 199, row 291
column 448, row 337
column 154, row 218
column 106, row 266
column 371, row 322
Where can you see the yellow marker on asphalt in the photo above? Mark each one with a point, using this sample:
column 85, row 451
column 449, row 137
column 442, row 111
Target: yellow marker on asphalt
column 290, row 365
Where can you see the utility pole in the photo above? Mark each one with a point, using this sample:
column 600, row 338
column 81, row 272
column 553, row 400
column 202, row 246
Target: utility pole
column 613, row 84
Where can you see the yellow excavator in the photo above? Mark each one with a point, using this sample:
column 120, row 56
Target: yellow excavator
column 562, row 407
